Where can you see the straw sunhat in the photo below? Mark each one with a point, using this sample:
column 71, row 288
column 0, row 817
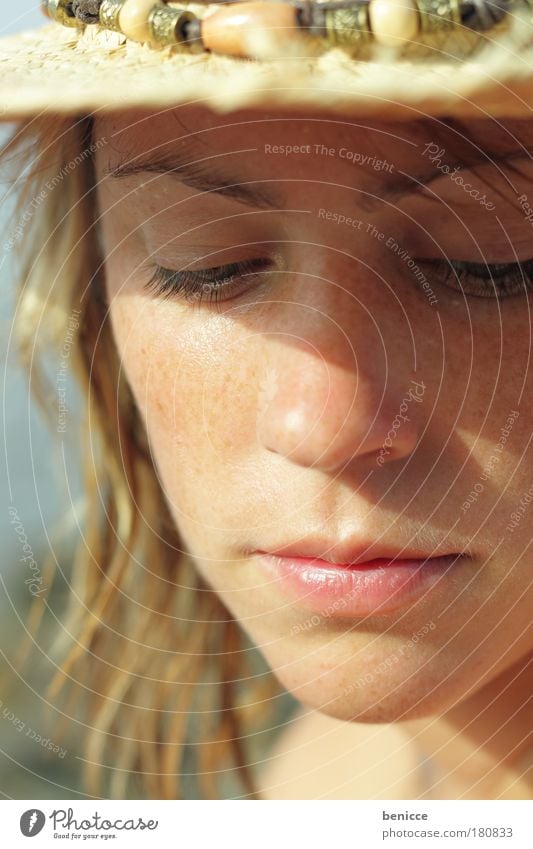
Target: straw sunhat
column 66, row 69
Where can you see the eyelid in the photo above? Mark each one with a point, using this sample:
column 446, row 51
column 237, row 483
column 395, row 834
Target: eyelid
column 205, row 256
column 502, row 280
column 212, row 284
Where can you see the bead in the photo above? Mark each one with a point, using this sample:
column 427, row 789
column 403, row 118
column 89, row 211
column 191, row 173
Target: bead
column 227, row 30
column 109, row 12
column 348, row 27
column 133, row 19
column 393, row 22
column 165, row 24
column 86, row 11
column 60, row 11
column 443, row 33
column 437, row 16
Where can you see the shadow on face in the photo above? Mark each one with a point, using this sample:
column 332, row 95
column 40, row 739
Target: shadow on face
column 326, row 327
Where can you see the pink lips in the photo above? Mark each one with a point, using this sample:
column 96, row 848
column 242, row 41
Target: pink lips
column 356, row 589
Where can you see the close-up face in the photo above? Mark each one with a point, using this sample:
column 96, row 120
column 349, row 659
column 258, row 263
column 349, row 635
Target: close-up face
column 326, row 326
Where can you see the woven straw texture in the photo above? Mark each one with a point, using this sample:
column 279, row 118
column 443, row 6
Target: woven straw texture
column 59, row 69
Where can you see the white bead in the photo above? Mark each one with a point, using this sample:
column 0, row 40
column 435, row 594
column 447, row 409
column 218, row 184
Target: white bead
column 393, row 22
column 133, row 19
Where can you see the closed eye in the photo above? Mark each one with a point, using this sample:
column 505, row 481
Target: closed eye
column 207, row 284
column 482, row 280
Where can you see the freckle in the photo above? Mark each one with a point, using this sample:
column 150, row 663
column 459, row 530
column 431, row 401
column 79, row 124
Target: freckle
column 160, row 407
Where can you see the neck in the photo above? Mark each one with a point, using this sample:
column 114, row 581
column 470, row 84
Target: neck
column 482, row 747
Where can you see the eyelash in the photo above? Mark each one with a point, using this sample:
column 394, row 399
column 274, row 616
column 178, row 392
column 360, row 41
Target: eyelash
column 484, row 280
column 205, row 284
column 501, row 279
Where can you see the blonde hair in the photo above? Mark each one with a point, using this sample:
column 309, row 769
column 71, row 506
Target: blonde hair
column 163, row 669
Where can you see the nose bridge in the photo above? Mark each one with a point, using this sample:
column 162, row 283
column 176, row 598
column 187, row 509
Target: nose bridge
column 337, row 382
column 323, row 404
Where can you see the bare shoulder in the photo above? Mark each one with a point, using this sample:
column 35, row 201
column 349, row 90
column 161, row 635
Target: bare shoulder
column 317, row 757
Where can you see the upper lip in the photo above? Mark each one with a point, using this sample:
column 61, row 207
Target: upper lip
column 351, row 551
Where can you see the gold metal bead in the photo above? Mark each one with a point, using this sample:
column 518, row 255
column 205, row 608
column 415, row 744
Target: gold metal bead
column 60, row 11
column 165, row 22
column 439, row 16
column 348, row 27
column 442, row 32
column 109, row 12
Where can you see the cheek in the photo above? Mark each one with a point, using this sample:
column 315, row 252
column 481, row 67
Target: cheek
column 192, row 378
column 484, row 421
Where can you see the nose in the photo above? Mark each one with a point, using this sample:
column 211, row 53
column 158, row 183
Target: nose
column 327, row 414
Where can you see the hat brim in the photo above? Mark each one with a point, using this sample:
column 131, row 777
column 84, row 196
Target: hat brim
column 55, row 69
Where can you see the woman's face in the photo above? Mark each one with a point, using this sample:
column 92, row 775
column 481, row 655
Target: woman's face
column 335, row 365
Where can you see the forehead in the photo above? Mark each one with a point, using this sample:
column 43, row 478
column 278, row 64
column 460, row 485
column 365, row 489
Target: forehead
column 254, row 144
column 199, row 130
column 300, row 156
column 190, row 119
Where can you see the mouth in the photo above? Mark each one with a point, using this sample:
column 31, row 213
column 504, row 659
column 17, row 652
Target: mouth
column 361, row 585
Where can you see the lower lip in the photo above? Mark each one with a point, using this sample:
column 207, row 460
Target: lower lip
column 378, row 586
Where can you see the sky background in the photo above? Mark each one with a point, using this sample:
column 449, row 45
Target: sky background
column 24, row 14
column 28, row 469
column 25, row 461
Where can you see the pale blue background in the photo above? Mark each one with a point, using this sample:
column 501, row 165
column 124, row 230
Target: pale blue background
column 28, row 471
column 17, row 16
column 23, row 14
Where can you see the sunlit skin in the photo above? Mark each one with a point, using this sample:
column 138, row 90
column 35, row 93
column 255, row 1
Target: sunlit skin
column 267, row 412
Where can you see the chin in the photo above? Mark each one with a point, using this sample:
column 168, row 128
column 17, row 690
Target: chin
column 358, row 709
column 384, row 709
column 393, row 699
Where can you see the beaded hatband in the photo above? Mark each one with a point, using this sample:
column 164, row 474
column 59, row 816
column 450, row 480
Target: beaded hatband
column 352, row 24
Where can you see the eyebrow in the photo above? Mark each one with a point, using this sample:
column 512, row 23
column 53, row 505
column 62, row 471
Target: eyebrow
column 197, row 175
column 415, row 184
column 200, row 174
